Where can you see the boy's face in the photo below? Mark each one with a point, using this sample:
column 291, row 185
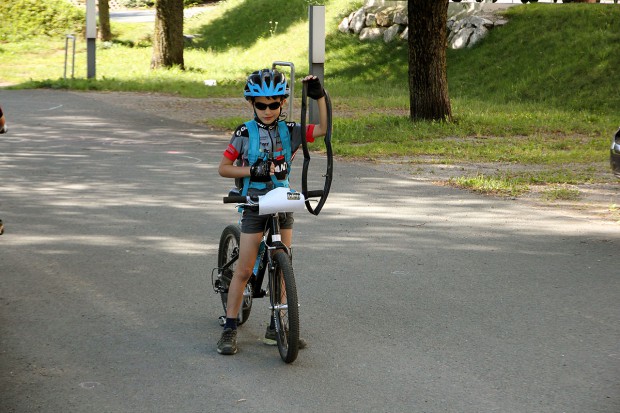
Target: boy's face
column 267, row 114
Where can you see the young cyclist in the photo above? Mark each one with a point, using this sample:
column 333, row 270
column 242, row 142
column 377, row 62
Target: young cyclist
column 258, row 157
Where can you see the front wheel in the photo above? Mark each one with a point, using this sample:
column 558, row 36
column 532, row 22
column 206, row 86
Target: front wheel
column 285, row 307
column 228, row 250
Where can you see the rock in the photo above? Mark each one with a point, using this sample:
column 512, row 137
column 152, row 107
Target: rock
column 357, row 22
column 461, row 38
column 450, row 24
column 400, row 17
column 476, row 21
column 465, row 28
column 405, row 34
column 343, row 27
column 459, row 25
column 384, row 17
column 478, row 34
column 371, row 33
column 391, row 33
column 371, row 20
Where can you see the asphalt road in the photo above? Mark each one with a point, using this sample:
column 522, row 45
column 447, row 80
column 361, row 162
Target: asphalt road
column 414, row 298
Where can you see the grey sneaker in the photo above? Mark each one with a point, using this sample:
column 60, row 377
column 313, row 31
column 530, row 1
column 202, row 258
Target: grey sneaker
column 228, row 343
column 271, row 340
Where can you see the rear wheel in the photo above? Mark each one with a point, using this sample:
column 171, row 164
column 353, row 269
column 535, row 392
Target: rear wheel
column 229, row 248
column 285, row 307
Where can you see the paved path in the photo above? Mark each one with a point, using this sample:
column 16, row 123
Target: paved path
column 415, row 298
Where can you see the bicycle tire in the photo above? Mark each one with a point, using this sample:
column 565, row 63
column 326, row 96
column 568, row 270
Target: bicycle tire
column 286, row 307
column 229, row 245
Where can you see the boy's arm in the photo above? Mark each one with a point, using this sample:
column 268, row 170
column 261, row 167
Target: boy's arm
column 321, row 128
column 260, row 171
column 228, row 170
column 316, row 92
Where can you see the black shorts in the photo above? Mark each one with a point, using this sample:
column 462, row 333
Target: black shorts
column 252, row 223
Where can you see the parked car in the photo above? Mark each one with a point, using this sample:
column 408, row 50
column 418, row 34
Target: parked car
column 614, row 154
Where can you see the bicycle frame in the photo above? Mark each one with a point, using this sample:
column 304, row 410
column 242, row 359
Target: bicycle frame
column 276, row 259
column 271, row 242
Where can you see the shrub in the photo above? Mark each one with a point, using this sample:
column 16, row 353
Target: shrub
column 26, row 18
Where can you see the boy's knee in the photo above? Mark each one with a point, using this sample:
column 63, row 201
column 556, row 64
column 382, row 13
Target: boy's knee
column 243, row 274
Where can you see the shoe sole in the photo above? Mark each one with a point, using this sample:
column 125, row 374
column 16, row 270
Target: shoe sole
column 227, row 352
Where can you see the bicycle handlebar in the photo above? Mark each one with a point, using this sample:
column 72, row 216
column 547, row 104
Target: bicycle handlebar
column 253, row 199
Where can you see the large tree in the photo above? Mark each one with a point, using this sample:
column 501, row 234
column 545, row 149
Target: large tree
column 168, row 34
column 105, row 33
column 428, row 80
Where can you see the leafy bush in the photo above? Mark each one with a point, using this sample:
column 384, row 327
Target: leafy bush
column 22, row 19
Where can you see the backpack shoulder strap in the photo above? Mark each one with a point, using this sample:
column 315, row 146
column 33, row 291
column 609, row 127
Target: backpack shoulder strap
column 253, row 151
column 254, row 141
column 285, row 137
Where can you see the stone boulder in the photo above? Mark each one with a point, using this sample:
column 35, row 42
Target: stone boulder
column 375, row 21
column 390, row 34
column 371, row 33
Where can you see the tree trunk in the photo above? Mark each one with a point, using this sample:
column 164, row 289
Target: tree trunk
column 168, row 34
column 427, row 43
column 105, row 33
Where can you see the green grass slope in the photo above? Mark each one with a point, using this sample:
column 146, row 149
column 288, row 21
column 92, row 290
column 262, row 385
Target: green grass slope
column 565, row 56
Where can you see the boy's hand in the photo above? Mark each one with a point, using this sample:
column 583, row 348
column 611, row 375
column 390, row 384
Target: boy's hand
column 260, row 171
column 315, row 89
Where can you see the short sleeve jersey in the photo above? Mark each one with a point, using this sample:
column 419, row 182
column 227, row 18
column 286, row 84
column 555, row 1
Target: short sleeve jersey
column 270, row 142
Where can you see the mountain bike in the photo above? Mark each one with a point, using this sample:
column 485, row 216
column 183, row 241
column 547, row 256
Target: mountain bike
column 273, row 262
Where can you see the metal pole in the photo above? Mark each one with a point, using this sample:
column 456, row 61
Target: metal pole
column 72, row 37
column 66, row 51
column 291, row 85
column 316, row 49
column 73, row 59
column 91, row 38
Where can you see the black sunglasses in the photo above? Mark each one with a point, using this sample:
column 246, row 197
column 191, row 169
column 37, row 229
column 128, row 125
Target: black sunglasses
column 263, row 106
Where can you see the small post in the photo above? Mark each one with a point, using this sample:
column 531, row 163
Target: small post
column 72, row 37
column 316, row 49
column 91, row 38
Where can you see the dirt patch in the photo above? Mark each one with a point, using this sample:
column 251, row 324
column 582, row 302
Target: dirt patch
column 598, row 201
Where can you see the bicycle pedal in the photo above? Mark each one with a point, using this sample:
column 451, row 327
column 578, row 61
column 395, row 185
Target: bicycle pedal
column 222, row 320
column 219, row 282
column 219, row 287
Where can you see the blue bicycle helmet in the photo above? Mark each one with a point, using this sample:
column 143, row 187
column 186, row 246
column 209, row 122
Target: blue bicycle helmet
column 266, row 83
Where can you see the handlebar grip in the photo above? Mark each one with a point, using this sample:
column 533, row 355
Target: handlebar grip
column 235, row 199
column 315, row 194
